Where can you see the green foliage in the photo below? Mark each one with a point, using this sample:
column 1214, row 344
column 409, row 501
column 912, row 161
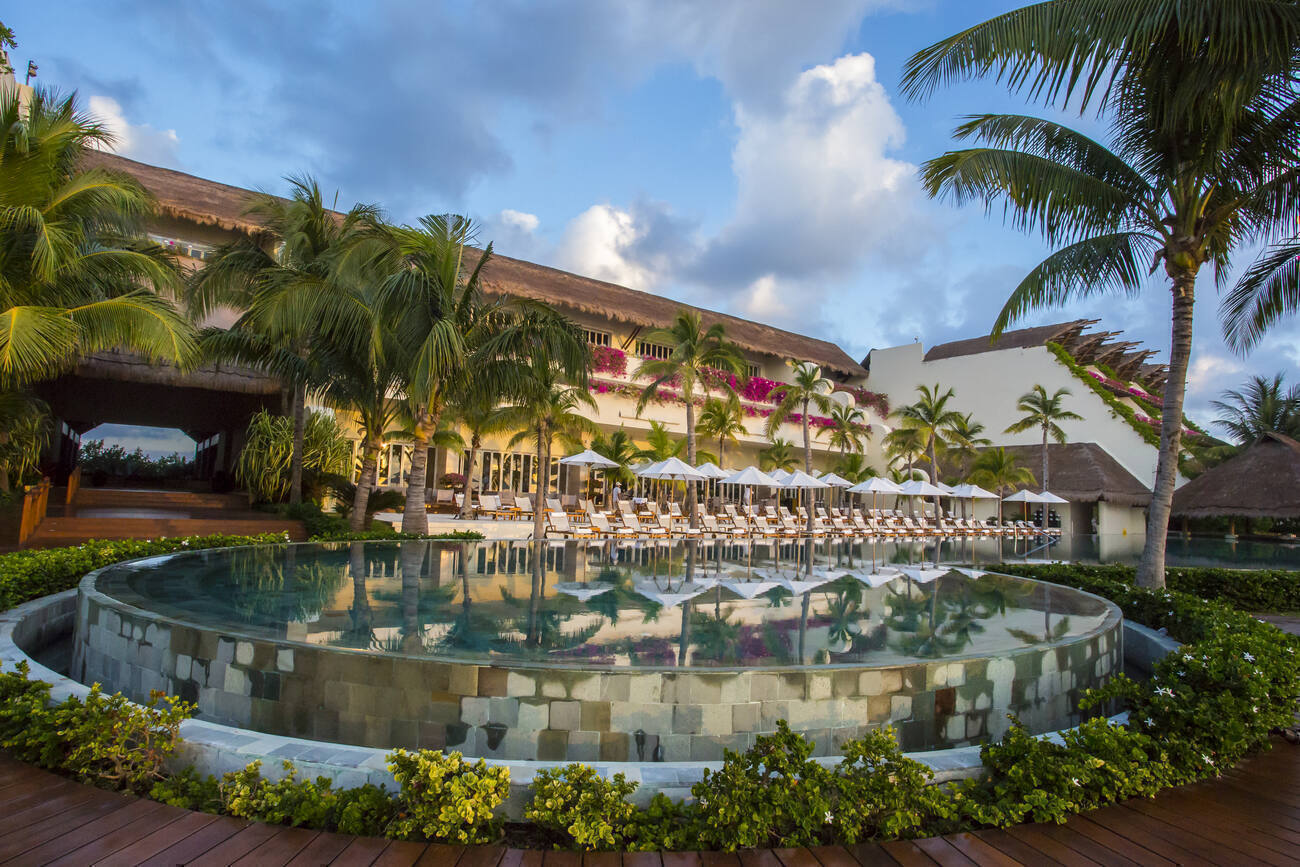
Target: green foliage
column 585, row 810
column 189, row 791
column 365, row 810
column 95, row 457
column 444, row 797
column 104, row 739
column 263, row 464
column 287, row 801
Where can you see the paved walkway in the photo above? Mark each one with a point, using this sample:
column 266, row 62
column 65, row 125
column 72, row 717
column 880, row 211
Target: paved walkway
column 1250, row 816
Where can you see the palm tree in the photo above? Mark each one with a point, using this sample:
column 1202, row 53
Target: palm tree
column 854, row 467
column 1201, row 112
column 475, row 409
column 547, row 409
column 660, row 445
column 906, row 445
column 848, row 431
column 968, row 439
column 620, row 448
column 77, row 272
column 1262, row 406
column 934, row 423
column 807, row 390
column 286, row 284
column 1043, row 411
column 779, row 455
column 997, row 470
column 721, row 419
column 694, row 352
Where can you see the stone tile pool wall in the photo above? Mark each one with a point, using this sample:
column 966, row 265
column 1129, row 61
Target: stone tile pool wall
column 558, row 714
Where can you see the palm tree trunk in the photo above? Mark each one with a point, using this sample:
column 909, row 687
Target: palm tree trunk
column 807, row 468
column 1044, row 462
column 543, row 488
column 415, row 518
column 361, row 498
column 1151, row 570
column 467, row 507
column 691, row 492
column 299, row 436
column 934, row 470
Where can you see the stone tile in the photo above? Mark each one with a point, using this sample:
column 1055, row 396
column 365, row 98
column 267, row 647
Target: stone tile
column 871, row 683
column 534, row 715
column 492, row 681
column 615, row 747
column 584, row 747
column 615, row 687
column 552, row 746
column 474, row 711
column 463, row 679
column 284, row 659
column 595, row 716
column 676, row 747
column 688, row 719
column 819, row 686
column 746, row 717
column 520, row 685
column 566, row 715
column 900, row 707
column 244, row 652
column 645, row 688
column 504, row 711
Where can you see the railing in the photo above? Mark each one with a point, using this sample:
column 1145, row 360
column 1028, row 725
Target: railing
column 74, row 485
column 35, row 502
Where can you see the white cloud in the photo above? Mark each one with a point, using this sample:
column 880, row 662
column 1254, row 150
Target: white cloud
column 764, row 300
column 138, row 141
column 600, row 243
column 519, row 220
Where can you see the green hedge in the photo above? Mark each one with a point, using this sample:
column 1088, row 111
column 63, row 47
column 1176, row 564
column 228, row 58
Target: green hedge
column 1204, row 708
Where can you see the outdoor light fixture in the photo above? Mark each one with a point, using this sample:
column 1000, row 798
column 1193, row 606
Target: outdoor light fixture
column 31, row 71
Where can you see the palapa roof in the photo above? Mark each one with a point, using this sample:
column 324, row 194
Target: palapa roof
column 1083, row 473
column 210, row 203
column 1021, row 338
column 125, row 366
column 1261, row 482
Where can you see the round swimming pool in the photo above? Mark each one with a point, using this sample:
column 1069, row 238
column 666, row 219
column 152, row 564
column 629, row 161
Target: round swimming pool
column 584, row 651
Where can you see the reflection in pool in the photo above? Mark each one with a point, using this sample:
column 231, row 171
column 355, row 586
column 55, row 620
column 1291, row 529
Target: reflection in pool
column 606, row 605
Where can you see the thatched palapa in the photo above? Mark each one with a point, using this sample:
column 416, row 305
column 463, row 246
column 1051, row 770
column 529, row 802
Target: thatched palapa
column 123, row 366
column 1261, row 482
column 1083, row 473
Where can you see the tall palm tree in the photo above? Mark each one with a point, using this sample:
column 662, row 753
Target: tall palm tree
column 77, row 272
column 620, row 448
column 548, row 408
column 1046, row 412
column 285, row 282
column 968, row 439
column 660, row 445
column 474, row 409
column 853, row 467
column 1262, row 406
column 904, row 444
column 695, row 350
column 1199, row 100
column 934, row 422
column 721, row 420
column 780, row 455
column 807, row 390
column 848, row 431
column 998, row 470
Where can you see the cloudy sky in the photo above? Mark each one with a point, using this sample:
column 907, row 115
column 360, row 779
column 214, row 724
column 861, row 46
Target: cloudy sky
column 754, row 157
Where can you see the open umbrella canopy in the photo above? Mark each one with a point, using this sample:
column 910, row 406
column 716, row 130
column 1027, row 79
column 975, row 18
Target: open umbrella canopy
column 836, row 481
column 588, row 458
column 1049, row 497
column 878, row 578
column 711, row 471
column 947, row 489
column 801, row 480
column 920, row 488
column 748, row 588
column 752, row 476
column 875, row 485
column 779, row 474
column 669, row 597
column 973, row 492
column 582, row 592
column 923, row 574
column 673, row 469
column 1025, row 496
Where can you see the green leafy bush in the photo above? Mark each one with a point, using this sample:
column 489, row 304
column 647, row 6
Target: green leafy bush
column 366, row 811
column 884, row 794
column 444, row 797
column 189, row 791
column 1256, row 590
column 287, row 801
column 583, row 809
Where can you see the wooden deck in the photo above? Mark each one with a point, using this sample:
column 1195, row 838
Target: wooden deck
column 1250, row 816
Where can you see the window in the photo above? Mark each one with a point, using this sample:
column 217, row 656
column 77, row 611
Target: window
column 202, row 252
column 752, row 370
column 653, row 350
column 597, row 338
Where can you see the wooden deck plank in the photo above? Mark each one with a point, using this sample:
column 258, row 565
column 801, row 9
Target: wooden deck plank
column 744, row 857
column 676, row 859
column 481, row 856
column 236, row 846
column 401, row 853
column 324, row 849
column 1142, row 836
column 361, row 852
column 151, row 844
column 75, row 838
column 440, row 855
column 522, row 858
column 907, row 853
column 602, row 859
column 556, row 858
column 1086, row 846
column 833, row 856
column 943, row 852
column 195, row 845
column 796, row 857
column 34, row 795
column 980, row 852
column 722, row 859
column 1259, row 822
column 642, row 859
column 1207, row 826
column 1117, row 843
column 23, row 840
column 1030, row 835
column 1201, row 846
column 280, row 849
column 117, row 838
column 1013, row 848
column 871, row 855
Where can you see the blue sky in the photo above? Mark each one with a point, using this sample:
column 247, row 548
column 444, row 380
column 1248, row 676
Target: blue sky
column 755, row 157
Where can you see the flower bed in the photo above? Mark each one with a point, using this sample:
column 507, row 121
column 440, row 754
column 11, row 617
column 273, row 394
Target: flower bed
column 1206, row 706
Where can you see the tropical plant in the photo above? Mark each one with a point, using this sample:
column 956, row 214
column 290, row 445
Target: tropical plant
column 1199, row 100
column 694, row 350
column 286, row 283
column 475, row 409
column 263, row 463
column 1262, row 406
column 721, row 419
column 936, row 426
column 848, row 431
column 853, row 467
column 904, row 445
column 1045, row 412
column 780, row 455
column 618, row 447
column 77, row 272
column 968, row 438
column 998, row 470
column 808, row 389
column 25, row 430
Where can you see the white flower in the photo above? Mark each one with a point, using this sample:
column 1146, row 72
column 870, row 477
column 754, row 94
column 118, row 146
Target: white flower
column 1166, row 691
column 1150, row 721
column 1249, row 657
column 1254, row 708
column 1207, row 759
column 1075, row 780
column 828, row 817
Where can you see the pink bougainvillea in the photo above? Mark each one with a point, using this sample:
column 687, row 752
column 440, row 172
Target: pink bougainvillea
column 870, row 399
column 608, row 359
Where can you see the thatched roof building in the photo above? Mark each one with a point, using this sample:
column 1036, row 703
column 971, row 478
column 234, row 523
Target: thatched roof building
column 1261, row 482
column 207, row 202
column 1084, row 473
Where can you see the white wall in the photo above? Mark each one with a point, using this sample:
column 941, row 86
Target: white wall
column 989, row 384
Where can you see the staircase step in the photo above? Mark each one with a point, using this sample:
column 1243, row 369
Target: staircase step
column 143, row 498
column 55, row 532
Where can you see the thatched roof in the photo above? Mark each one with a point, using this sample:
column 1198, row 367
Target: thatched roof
column 1022, row 338
column 1083, row 473
column 206, row 202
column 1261, row 482
column 128, row 367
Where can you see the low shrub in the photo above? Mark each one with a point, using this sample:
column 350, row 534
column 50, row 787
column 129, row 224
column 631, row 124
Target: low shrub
column 444, row 797
column 581, row 808
column 190, row 791
column 287, row 801
column 1252, row 591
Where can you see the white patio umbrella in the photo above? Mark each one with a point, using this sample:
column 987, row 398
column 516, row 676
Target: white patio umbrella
column 752, row 477
column 874, row 486
column 1049, row 497
column 835, row 481
column 801, row 481
column 591, row 460
column 747, row 588
column 1026, row 496
column 877, row 578
column 581, row 591
column 919, row 488
column 674, row 470
column 922, row 574
column 779, row 474
column 712, row 472
column 669, row 597
column 972, row 492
